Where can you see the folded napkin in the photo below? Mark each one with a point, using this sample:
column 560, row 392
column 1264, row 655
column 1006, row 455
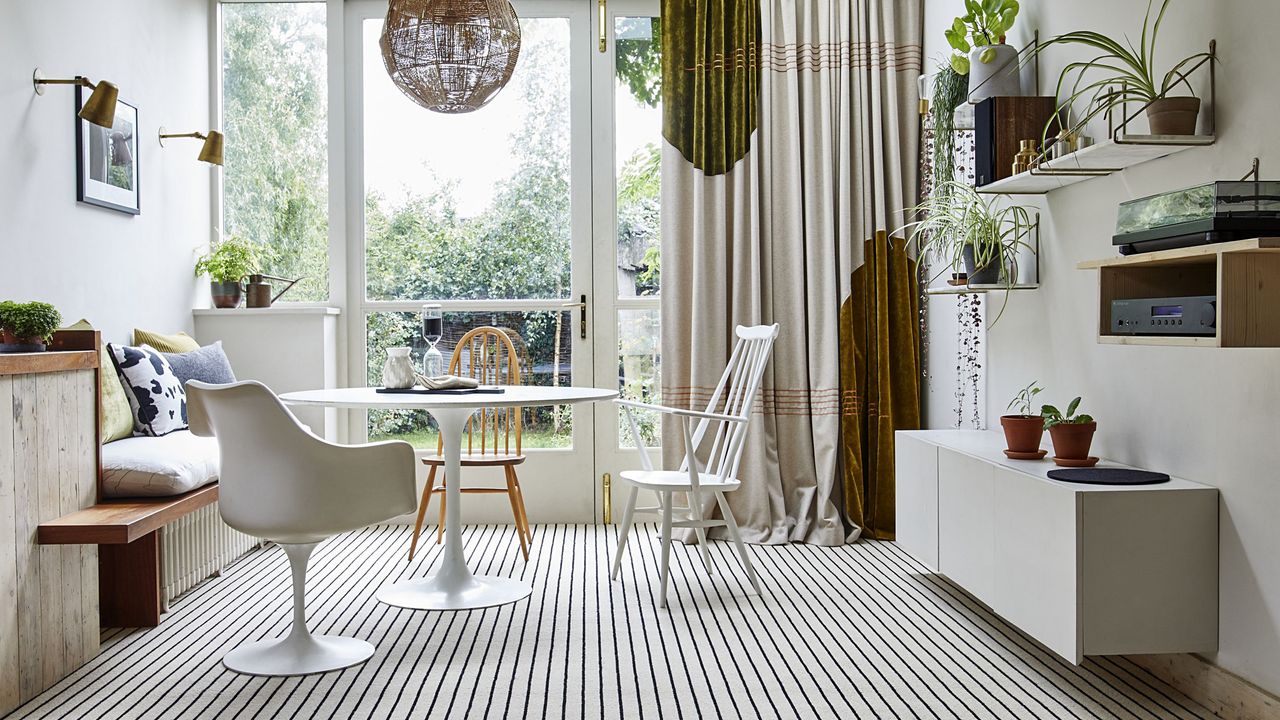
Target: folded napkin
column 447, row 382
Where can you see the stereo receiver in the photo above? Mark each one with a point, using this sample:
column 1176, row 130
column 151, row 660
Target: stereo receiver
column 1193, row 315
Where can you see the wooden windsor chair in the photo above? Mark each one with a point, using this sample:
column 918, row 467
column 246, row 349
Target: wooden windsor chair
column 493, row 434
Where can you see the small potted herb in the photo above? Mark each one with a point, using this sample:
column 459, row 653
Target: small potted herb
column 27, row 327
column 227, row 264
column 1072, row 434
column 1023, row 430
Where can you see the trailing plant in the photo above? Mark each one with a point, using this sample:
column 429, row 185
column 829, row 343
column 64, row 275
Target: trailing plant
column 1119, row 73
column 35, row 320
column 950, row 89
column 1053, row 416
column 984, row 24
column 968, row 369
column 230, row 260
column 1022, row 401
column 956, row 216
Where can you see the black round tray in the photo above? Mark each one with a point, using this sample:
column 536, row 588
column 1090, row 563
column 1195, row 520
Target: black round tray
column 1108, row 476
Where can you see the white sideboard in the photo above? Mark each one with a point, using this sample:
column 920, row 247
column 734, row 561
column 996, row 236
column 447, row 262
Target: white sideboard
column 1084, row 569
column 286, row 347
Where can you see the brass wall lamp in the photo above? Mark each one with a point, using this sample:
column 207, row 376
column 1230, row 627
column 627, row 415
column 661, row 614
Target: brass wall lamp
column 210, row 152
column 100, row 109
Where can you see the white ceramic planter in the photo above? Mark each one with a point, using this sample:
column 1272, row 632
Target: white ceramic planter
column 998, row 78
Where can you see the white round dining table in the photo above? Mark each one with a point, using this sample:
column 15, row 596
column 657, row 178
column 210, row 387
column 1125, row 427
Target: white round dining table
column 453, row 586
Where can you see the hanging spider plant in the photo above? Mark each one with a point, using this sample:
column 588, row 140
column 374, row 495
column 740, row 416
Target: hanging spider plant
column 960, row 230
column 1121, row 73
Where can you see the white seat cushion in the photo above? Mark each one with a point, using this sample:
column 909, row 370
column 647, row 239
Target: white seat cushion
column 676, row 480
column 158, row 466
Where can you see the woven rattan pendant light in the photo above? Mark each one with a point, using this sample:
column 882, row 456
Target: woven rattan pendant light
column 451, row 56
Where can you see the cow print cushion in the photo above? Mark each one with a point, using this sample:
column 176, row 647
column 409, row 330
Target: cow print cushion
column 156, row 395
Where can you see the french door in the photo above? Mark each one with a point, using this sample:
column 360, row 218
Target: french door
column 536, row 213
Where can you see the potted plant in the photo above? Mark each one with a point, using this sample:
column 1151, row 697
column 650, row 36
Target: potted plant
column 1072, row 435
column 979, row 49
column 27, row 327
column 227, row 263
column 1121, row 73
column 962, row 231
column 1023, row 430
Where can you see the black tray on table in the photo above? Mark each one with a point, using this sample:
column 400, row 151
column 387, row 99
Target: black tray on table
column 482, row 390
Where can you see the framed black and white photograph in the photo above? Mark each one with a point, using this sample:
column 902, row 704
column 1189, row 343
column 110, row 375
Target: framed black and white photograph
column 107, row 159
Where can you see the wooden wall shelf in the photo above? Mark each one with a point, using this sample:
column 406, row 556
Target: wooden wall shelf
column 1244, row 275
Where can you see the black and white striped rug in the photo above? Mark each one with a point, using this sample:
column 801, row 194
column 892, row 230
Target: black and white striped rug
column 852, row 632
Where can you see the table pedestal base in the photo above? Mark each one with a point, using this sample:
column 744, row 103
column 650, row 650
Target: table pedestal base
column 468, row 593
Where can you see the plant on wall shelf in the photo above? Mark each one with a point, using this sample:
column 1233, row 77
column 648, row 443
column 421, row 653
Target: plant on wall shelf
column 983, row 26
column 1072, row 434
column 28, row 326
column 1121, row 73
column 979, row 50
column 949, row 91
column 961, row 231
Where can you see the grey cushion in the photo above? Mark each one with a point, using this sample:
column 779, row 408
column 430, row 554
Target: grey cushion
column 208, row 364
column 158, row 466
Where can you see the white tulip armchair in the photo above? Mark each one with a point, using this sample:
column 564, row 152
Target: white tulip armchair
column 722, row 427
column 280, row 482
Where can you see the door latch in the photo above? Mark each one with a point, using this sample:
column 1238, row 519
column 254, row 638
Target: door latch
column 582, row 315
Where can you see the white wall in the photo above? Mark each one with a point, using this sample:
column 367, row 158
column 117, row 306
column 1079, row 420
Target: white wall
column 1209, row 415
column 117, row 270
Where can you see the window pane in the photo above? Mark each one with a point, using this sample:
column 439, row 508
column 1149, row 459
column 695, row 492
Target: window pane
column 275, row 177
column 474, row 205
column 638, row 120
column 542, row 339
column 639, row 373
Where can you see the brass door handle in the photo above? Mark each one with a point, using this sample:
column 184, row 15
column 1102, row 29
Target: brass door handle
column 582, row 315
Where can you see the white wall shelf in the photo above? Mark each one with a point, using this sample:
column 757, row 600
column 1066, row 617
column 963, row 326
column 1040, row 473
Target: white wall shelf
column 1104, row 158
column 976, row 289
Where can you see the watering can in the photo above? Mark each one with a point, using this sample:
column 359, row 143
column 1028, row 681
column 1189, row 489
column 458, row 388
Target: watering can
column 258, row 290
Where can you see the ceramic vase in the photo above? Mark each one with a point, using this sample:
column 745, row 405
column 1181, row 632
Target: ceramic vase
column 997, row 78
column 397, row 371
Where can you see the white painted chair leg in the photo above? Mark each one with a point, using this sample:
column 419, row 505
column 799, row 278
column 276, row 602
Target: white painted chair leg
column 695, row 511
column 666, row 548
column 627, row 516
column 737, row 540
column 299, row 652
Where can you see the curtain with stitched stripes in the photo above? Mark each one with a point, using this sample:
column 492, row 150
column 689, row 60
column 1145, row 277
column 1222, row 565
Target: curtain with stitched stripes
column 791, row 137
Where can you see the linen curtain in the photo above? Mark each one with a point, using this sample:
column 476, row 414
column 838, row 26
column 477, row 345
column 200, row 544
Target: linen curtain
column 790, row 138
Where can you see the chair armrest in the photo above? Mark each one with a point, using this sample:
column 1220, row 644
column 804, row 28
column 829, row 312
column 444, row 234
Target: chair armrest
column 680, row 411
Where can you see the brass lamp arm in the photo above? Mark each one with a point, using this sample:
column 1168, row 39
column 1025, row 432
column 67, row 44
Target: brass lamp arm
column 200, row 135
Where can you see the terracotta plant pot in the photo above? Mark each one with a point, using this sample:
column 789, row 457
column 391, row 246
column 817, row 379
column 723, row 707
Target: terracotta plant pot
column 226, row 294
column 1071, row 441
column 1174, row 116
column 1022, row 433
column 10, row 343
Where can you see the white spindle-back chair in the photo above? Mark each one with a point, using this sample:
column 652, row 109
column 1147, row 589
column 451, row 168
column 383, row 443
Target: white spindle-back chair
column 720, row 429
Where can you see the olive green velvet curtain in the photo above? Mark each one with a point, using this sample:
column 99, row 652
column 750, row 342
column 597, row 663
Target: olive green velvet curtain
column 710, row 79
column 880, row 367
column 771, row 226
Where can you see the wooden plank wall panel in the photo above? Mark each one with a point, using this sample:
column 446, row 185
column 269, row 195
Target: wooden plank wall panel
column 27, row 513
column 10, row 693
column 48, row 401
column 49, row 594
column 86, row 478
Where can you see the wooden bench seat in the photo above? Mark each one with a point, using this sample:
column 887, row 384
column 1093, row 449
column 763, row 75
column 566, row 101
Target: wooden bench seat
column 125, row 532
column 119, row 522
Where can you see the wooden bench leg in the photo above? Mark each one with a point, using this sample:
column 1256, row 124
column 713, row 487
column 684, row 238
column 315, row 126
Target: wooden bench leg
column 129, row 582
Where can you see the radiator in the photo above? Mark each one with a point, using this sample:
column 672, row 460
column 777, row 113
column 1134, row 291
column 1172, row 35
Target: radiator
column 194, row 548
